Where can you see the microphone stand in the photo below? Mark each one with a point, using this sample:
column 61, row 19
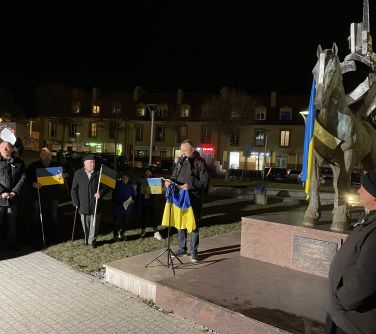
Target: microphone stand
column 170, row 254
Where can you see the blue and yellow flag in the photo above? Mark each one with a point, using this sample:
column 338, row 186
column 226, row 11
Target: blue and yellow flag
column 50, row 176
column 108, row 176
column 182, row 216
column 151, row 185
column 308, row 142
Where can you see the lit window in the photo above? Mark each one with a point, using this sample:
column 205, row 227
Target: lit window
column 93, row 130
column 141, row 111
column 185, row 110
column 76, row 107
column 285, row 138
column 95, row 109
column 259, row 137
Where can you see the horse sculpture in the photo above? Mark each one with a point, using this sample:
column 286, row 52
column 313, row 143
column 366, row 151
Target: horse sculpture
column 347, row 140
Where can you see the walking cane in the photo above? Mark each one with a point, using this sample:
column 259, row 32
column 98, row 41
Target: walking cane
column 74, row 223
column 41, row 219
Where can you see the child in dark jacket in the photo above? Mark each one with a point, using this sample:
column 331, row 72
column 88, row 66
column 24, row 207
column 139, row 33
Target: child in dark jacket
column 123, row 198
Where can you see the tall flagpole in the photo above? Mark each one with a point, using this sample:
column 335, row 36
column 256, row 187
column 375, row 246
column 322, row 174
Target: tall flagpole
column 96, row 199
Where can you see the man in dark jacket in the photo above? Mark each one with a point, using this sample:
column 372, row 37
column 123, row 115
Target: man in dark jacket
column 12, row 179
column 352, row 277
column 84, row 196
column 191, row 174
column 48, row 200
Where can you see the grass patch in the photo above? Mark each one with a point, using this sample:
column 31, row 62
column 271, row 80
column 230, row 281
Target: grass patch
column 221, row 214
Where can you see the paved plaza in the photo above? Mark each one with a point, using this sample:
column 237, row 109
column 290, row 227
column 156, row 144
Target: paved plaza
column 41, row 295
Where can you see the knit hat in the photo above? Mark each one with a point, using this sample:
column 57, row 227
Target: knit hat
column 88, row 157
column 368, row 181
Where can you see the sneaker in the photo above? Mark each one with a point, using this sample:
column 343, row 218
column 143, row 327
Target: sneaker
column 142, row 234
column 157, row 235
column 194, row 257
column 121, row 237
column 180, row 253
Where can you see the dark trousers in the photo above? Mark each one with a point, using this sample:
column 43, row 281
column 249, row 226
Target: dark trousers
column 121, row 223
column 147, row 217
column 8, row 215
column 49, row 216
column 331, row 327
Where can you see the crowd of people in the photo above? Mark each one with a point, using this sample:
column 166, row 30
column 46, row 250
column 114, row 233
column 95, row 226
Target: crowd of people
column 87, row 195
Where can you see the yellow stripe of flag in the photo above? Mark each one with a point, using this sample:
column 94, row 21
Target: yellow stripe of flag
column 108, row 176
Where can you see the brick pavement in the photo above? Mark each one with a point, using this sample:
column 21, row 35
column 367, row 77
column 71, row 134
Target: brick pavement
column 41, row 295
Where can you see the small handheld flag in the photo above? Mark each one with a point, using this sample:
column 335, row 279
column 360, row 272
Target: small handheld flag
column 108, row 176
column 50, row 176
column 151, row 185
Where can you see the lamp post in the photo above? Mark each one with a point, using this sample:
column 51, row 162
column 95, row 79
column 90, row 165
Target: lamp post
column 78, row 140
column 152, row 108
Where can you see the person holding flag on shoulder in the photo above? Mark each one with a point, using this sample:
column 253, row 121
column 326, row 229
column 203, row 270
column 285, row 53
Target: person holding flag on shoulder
column 44, row 194
column 87, row 194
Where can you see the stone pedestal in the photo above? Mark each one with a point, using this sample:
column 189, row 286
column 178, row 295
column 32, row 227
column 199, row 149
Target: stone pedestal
column 304, row 249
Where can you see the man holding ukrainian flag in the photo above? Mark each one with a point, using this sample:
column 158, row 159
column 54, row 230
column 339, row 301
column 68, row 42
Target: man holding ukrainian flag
column 44, row 177
column 191, row 174
column 87, row 194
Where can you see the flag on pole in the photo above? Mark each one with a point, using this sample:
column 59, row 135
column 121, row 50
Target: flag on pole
column 50, row 176
column 151, row 185
column 182, row 216
column 308, row 142
column 108, row 176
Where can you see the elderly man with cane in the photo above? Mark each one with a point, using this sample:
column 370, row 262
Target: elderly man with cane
column 87, row 195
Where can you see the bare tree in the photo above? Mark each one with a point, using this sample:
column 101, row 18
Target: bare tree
column 57, row 101
column 231, row 110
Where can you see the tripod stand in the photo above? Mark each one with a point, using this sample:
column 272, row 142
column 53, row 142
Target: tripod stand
column 170, row 254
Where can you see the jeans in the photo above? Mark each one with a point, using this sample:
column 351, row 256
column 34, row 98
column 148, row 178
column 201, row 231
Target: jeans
column 195, row 238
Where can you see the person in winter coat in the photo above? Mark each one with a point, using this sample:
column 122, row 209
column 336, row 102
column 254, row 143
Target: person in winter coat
column 48, row 198
column 191, row 173
column 146, row 204
column 351, row 307
column 84, row 196
column 12, row 179
column 123, row 198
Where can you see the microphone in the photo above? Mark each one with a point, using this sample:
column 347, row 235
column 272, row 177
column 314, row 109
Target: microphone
column 182, row 160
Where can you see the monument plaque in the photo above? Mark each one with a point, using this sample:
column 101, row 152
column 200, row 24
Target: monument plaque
column 313, row 254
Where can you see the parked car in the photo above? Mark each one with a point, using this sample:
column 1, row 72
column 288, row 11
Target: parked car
column 293, row 175
column 277, row 174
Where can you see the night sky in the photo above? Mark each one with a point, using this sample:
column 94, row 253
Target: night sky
column 256, row 46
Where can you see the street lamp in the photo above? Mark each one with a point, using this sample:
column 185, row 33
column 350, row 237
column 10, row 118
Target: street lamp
column 152, row 108
column 78, row 139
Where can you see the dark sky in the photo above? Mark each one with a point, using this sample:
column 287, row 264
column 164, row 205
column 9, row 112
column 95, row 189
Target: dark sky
column 257, row 46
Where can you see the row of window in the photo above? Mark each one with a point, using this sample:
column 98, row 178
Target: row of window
column 260, row 135
column 285, row 113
